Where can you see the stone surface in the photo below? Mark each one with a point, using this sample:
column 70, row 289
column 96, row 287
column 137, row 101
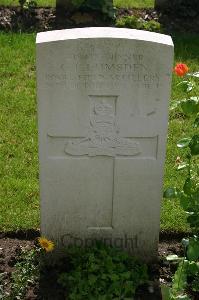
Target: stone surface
column 66, row 4
column 103, row 112
column 161, row 4
column 82, row 18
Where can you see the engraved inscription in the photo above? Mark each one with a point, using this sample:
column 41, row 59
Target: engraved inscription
column 103, row 136
column 103, row 75
column 100, row 65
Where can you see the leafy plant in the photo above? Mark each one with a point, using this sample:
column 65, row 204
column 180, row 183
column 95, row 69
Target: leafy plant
column 26, row 272
column 138, row 23
column 102, row 272
column 2, row 293
column 187, row 274
column 27, row 4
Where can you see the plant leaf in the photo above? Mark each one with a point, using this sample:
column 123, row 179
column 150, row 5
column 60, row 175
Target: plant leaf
column 182, row 166
column 190, row 86
column 182, row 297
column 193, row 268
column 184, row 202
column 196, row 123
column 194, row 145
column 193, row 250
column 196, row 74
column 180, row 278
column 187, row 188
column 173, row 257
column 165, row 291
column 184, row 142
column 193, row 220
column 185, row 242
column 190, row 106
column 175, row 104
column 171, row 193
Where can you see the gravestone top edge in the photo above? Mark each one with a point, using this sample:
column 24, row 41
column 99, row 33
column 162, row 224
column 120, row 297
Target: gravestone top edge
column 103, row 32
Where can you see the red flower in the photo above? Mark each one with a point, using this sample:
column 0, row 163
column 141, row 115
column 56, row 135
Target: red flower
column 181, row 69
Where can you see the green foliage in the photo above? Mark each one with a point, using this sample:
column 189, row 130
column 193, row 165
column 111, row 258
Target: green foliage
column 26, row 272
column 186, row 277
column 171, row 193
column 193, row 249
column 187, row 274
column 2, row 286
column 102, row 272
column 190, row 106
column 189, row 195
column 27, row 4
column 138, row 23
column 195, row 284
column 179, row 279
column 104, row 6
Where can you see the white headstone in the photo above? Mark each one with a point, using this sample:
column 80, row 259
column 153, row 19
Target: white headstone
column 103, row 112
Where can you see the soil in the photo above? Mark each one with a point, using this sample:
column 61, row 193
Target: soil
column 43, row 19
column 12, row 243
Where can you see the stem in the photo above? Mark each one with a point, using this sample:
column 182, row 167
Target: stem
column 189, row 166
column 181, row 272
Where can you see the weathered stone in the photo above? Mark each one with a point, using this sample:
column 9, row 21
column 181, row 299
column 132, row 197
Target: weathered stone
column 103, row 97
column 161, row 4
column 82, row 18
column 66, row 4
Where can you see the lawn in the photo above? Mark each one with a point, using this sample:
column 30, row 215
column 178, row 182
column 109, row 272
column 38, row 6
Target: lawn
column 18, row 141
column 117, row 3
column 19, row 197
column 134, row 3
column 186, row 50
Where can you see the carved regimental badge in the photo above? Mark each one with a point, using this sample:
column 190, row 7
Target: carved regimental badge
column 103, row 135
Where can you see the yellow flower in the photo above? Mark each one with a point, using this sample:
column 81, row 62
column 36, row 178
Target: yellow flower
column 46, row 244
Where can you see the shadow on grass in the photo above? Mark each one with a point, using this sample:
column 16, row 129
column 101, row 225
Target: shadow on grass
column 186, row 46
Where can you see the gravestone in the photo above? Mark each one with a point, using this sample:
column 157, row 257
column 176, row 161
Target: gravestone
column 103, row 98
column 71, row 5
column 178, row 8
column 65, row 4
column 161, row 4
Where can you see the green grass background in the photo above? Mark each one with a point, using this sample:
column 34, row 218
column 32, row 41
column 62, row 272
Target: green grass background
column 117, row 3
column 19, row 191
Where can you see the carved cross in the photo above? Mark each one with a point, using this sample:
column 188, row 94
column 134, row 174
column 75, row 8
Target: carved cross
column 103, row 139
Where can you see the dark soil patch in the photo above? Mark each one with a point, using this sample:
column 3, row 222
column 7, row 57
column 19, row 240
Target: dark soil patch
column 47, row 288
column 43, row 19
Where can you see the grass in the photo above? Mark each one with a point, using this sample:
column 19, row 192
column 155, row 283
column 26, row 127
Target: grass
column 134, row 3
column 173, row 218
column 19, row 197
column 40, row 3
column 18, row 141
column 117, row 3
